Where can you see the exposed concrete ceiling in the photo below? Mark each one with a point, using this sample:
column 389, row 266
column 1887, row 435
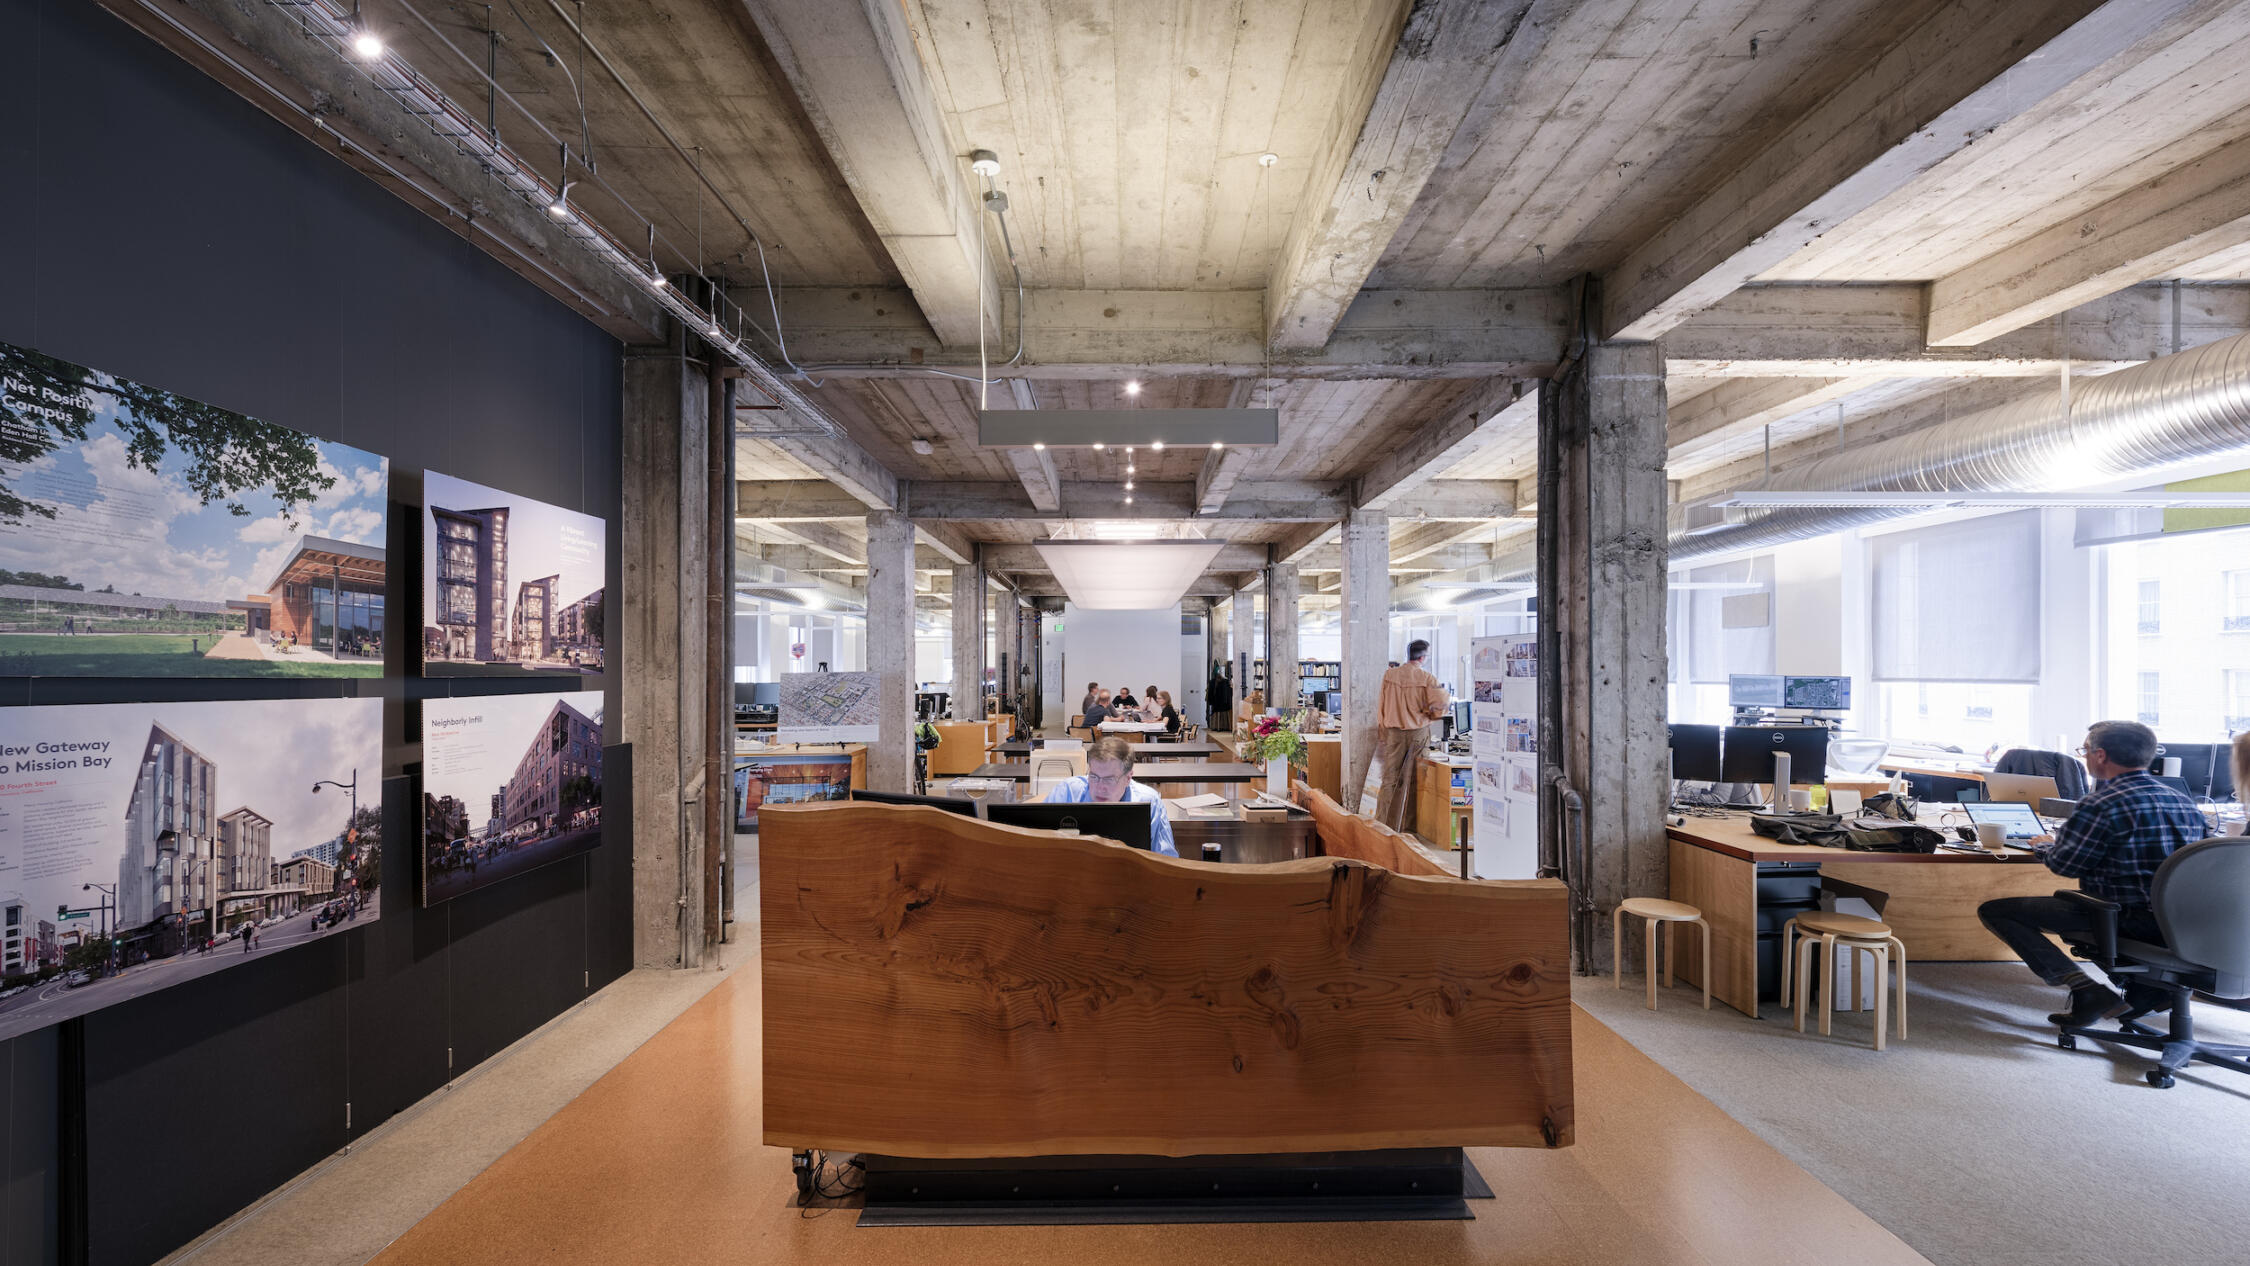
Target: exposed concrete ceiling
column 1841, row 218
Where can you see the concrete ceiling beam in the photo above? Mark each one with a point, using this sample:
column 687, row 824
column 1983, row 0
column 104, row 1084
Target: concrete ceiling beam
column 2165, row 227
column 261, row 52
column 823, row 538
column 1961, row 73
column 948, row 540
column 874, row 332
column 1498, row 408
column 1420, row 71
column 1035, row 468
column 1275, row 501
column 1222, row 468
column 826, row 452
column 854, row 65
column 1207, row 586
column 1740, row 406
column 1788, row 330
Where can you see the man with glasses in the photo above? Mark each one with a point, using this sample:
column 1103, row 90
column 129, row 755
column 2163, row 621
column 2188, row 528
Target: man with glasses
column 1109, row 780
column 2112, row 844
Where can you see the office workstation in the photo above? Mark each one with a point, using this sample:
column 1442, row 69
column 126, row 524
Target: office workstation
column 1162, row 632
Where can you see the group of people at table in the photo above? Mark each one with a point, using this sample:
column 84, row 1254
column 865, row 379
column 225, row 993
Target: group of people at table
column 1153, row 705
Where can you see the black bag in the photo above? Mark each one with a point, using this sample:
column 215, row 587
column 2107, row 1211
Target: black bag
column 1886, row 804
column 1826, row 830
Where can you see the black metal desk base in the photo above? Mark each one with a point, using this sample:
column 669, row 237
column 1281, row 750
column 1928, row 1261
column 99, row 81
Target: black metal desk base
column 1394, row 1185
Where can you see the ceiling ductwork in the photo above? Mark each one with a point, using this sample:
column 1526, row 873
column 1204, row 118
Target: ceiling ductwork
column 2179, row 408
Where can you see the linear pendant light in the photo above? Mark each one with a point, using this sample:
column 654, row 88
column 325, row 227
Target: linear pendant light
column 1127, row 576
column 1186, row 428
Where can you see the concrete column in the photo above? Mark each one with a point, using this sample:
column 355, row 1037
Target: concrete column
column 1241, row 642
column 890, row 647
column 1281, row 635
column 1602, row 613
column 665, row 650
column 1367, row 633
column 968, row 639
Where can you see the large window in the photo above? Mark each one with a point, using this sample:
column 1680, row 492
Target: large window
column 2152, row 606
column 1958, row 602
column 2195, row 651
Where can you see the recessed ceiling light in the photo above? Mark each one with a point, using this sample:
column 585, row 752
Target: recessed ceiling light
column 1037, row 447
column 1128, row 498
column 1098, row 447
column 1128, row 485
column 1158, row 446
column 1133, row 387
column 1218, row 444
column 1129, row 468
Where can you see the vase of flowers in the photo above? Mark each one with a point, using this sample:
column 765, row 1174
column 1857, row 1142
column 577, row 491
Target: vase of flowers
column 1276, row 742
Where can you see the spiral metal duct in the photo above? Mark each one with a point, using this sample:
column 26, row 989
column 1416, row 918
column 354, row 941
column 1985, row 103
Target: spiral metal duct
column 2189, row 405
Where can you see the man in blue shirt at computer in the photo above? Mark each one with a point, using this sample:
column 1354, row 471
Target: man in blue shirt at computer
column 2112, row 844
column 1109, row 780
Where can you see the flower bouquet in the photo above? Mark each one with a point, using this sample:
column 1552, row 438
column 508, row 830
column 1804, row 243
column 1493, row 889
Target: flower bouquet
column 1275, row 742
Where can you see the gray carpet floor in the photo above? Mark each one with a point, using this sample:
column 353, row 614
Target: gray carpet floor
column 1977, row 1140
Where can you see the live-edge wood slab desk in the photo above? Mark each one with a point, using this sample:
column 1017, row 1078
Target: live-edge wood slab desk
column 1932, row 907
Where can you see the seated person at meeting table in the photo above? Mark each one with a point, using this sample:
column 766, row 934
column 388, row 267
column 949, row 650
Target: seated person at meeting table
column 1093, row 693
column 2112, row 844
column 1168, row 714
column 1152, row 704
column 1125, row 698
column 1100, row 710
column 1109, row 780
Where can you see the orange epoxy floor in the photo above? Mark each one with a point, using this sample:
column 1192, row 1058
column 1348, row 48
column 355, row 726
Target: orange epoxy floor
column 661, row 1161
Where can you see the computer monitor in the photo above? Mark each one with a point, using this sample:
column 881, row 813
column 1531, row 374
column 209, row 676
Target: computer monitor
column 745, row 694
column 1334, row 702
column 2199, row 764
column 1817, row 694
column 1751, row 690
column 2222, row 773
column 1127, row 823
column 766, row 692
column 1461, row 720
column 1695, row 753
column 1748, row 751
column 951, row 804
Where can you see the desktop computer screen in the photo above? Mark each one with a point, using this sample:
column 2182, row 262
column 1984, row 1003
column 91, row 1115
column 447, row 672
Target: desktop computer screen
column 951, row 804
column 1126, row 822
column 1832, row 694
column 1461, row 720
column 1695, row 752
column 1748, row 690
column 2200, row 765
column 767, row 693
column 1748, row 752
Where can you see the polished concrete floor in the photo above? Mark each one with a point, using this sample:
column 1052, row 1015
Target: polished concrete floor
column 662, row 1160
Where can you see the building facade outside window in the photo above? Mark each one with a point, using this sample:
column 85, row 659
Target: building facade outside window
column 2237, row 616
column 2149, row 711
column 2152, row 606
column 2188, row 675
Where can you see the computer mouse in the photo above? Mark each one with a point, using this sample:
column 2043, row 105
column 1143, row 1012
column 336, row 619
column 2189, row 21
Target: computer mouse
column 1967, row 833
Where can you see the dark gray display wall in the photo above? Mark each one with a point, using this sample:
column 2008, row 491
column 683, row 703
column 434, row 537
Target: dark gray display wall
column 155, row 225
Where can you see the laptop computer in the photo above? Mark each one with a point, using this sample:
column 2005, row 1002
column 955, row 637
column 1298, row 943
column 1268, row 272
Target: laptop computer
column 2018, row 820
column 2019, row 788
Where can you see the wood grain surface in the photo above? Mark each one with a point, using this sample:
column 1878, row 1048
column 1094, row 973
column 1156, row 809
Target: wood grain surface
column 1361, row 838
column 940, row 986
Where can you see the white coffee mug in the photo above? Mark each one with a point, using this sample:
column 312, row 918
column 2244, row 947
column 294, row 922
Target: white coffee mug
column 1801, row 801
column 1993, row 836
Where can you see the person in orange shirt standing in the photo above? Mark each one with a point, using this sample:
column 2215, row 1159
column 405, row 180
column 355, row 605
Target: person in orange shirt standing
column 1412, row 698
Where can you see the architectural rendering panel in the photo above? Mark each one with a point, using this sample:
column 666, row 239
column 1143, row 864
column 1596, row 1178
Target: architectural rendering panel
column 509, row 584
column 144, row 534
column 154, row 843
column 509, row 784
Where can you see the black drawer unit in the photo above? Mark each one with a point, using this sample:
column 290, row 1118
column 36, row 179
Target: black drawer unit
column 1785, row 890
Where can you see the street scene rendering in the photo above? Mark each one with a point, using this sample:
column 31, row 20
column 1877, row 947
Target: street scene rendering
column 510, row 783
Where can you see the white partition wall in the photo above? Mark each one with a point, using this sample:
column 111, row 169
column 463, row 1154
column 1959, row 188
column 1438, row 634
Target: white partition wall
column 1120, row 648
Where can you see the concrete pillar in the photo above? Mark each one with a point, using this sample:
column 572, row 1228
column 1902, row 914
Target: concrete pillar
column 662, row 688
column 1601, row 617
column 890, row 647
column 1241, row 642
column 1281, row 635
column 968, row 640
column 1367, row 633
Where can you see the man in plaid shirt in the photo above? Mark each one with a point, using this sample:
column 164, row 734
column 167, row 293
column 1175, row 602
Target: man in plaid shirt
column 2122, row 831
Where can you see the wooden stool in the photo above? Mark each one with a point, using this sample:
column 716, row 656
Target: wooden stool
column 1856, row 936
column 1657, row 911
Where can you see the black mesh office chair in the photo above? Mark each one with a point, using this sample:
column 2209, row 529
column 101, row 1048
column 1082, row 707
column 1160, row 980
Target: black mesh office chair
column 2201, row 898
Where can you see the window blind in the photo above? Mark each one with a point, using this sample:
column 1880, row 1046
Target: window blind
column 1715, row 651
column 1957, row 602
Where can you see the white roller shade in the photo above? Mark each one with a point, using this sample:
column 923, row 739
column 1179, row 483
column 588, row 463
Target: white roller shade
column 1957, row 602
column 1715, row 650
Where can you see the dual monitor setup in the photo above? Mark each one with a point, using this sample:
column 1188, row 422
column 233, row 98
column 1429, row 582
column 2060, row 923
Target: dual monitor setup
column 1770, row 691
column 1750, row 753
column 1126, row 822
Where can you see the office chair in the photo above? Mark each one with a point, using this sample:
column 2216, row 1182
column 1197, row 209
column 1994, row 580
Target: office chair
column 2201, row 898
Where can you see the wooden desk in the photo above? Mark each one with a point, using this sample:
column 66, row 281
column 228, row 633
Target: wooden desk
column 961, row 746
column 1168, row 771
column 1323, row 765
column 1932, row 907
column 1433, row 800
column 1021, row 750
column 1966, row 773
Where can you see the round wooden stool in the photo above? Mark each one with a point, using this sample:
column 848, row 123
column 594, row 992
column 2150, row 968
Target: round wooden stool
column 1667, row 913
column 1855, row 936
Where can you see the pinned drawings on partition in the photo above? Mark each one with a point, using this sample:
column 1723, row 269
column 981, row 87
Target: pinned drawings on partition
column 1505, row 740
column 147, row 534
column 142, row 845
